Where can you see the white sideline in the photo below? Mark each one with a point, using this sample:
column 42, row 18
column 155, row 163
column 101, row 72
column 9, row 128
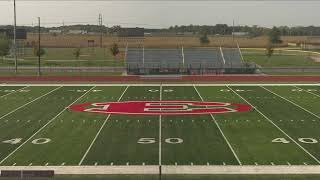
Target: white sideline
column 284, row 169
column 44, row 126
column 13, row 92
column 158, row 84
column 154, row 169
column 29, row 102
column 291, row 102
column 217, row 124
column 301, row 147
column 98, row 133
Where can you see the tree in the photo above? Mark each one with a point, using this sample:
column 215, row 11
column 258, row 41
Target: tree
column 114, row 49
column 77, row 53
column 37, row 51
column 204, row 39
column 275, row 36
column 4, row 45
column 269, row 50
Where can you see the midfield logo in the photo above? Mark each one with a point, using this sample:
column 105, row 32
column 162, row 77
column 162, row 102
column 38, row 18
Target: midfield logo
column 161, row 107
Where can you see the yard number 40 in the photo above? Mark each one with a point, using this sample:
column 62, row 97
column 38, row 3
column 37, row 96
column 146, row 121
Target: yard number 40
column 35, row 141
column 302, row 140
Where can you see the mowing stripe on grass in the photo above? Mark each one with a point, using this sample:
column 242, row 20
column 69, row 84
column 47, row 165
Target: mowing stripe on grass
column 30, row 102
column 13, row 92
column 305, row 150
column 291, row 102
column 44, row 125
column 98, row 133
column 223, row 135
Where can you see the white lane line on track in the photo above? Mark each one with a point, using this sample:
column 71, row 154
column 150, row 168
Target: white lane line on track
column 98, row 133
column 301, row 147
column 291, row 102
column 217, row 124
column 44, row 126
column 14, row 91
column 29, row 102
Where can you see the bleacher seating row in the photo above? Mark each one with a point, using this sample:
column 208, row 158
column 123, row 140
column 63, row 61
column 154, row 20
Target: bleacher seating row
column 175, row 58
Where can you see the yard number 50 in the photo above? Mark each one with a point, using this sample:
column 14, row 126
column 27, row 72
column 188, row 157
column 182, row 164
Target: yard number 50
column 153, row 140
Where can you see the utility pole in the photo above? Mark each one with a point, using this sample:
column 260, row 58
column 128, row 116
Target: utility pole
column 15, row 37
column 233, row 30
column 101, row 29
column 39, row 47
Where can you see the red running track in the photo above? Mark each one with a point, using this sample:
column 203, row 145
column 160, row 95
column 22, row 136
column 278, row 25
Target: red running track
column 111, row 79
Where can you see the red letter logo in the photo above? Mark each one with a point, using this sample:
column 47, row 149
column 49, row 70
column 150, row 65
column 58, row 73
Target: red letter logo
column 161, row 107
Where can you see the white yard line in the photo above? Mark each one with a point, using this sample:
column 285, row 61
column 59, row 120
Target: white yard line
column 217, row 124
column 98, row 133
column 44, row 126
column 29, row 102
column 160, row 130
column 308, row 91
column 291, row 102
column 301, row 147
column 13, row 92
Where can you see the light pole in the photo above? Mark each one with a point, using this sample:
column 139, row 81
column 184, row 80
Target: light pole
column 39, row 47
column 14, row 37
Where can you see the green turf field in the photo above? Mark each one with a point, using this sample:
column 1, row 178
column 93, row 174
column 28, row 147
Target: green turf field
column 279, row 58
column 38, row 128
column 65, row 57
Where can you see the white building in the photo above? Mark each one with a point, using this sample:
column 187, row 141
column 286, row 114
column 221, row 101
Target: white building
column 78, row 32
column 58, row 31
column 240, row 33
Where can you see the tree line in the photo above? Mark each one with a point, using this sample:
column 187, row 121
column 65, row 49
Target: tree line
column 218, row 29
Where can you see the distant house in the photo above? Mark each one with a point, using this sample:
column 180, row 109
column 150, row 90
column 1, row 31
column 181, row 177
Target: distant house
column 131, row 32
column 240, row 33
column 185, row 33
column 20, row 33
column 78, row 32
column 57, row 31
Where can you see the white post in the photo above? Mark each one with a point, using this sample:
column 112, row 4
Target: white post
column 15, row 37
column 125, row 54
column 182, row 51
column 222, row 55
column 143, row 55
column 240, row 52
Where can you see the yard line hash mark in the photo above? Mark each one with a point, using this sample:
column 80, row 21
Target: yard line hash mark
column 14, row 91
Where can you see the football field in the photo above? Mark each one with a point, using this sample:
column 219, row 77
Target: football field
column 159, row 124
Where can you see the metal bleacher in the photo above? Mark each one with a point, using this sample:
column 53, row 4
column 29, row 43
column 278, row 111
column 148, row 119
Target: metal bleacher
column 206, row 57
column 232, row 57
column 199, row 60
column 169, row 58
